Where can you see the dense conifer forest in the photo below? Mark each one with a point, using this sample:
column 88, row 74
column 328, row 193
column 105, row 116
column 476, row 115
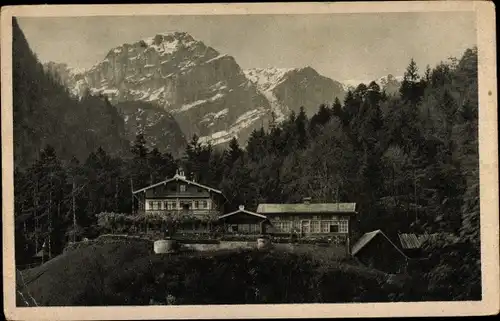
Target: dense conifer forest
column 410, row 161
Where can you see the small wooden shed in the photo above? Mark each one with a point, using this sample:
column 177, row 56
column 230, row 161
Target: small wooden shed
column 376, row 250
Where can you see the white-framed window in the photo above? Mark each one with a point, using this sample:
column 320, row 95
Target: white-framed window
column 254, row 228
column 165, row 205
column 315, row 227
column 183, row 188
column 283, row 226
column 196, row 204
column 325, row 226
column 150, row 205
column 205, row 204
column 343, row 226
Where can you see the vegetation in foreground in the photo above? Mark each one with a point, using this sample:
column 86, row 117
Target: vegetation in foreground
column 128, row 273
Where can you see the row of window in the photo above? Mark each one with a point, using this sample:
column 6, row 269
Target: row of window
column 244, row 228
column 173, row 205
column 314, row 217
column 314, row 226
column 182, row 188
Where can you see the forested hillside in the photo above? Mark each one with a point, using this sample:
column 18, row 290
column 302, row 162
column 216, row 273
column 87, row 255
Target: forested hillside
column 410, row 161
column 44, row 113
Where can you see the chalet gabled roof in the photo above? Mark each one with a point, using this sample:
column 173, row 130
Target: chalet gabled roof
column 307, row 208
column 178, row 178
column 367, row 238
column 242, row 210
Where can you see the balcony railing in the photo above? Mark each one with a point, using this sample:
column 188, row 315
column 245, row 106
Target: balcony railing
column 194, row 213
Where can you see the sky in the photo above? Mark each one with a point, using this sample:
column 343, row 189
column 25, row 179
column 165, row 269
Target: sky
column 341, row 46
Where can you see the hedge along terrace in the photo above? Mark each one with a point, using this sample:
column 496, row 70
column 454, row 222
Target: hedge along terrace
column 169, row 225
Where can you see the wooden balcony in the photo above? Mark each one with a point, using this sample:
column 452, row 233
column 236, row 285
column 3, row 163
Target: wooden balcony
column 194, row 213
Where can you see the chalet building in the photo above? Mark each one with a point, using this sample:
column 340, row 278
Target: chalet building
column 311, row 220
column 243, row 221
column 178, row 195
column 376, row 250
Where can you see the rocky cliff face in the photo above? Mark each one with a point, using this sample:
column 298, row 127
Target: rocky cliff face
column 207, row 92
column 158, row 126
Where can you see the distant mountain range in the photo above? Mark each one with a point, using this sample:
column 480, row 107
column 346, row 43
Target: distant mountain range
column 205, row 91
column 389, row 83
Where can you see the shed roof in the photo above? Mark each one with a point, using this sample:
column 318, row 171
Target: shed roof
column 178, row 178
column 367, row 238
column 411, row 241
column 307, row 208
column 242, row 210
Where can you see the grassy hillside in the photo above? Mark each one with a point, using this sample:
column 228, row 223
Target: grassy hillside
column 127, row 273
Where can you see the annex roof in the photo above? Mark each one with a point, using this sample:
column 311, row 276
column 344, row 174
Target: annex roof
column 367, row 238
column 242, row 210
column 307, row 208
column 178, row 178
column 411, row 241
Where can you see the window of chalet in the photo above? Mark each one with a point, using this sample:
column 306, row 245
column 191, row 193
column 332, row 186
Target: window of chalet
column 196, row 204
column 165, row 205
column 306, row 226
column 283, row 226
column 254, row 228
column 150, row 205
column 183, row 188
column 325, row 226
column 205, row 204
column 315, row 227
column 343, row 226
column 334, row 228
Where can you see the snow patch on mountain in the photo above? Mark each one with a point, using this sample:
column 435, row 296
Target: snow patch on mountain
column 381, row 81
column 243, row 122
column 266, row 79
